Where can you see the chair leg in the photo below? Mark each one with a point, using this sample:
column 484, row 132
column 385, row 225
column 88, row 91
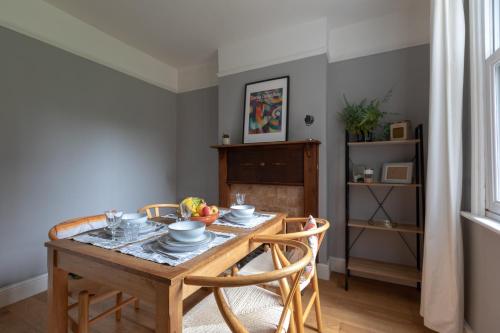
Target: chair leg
column 83, row 312
column 118, row 313
column 317, row 304
column 298, row 312
column 137, row 304
column 234, row 270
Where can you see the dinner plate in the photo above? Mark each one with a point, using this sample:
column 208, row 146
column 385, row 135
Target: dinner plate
column 236, row 219
column 172, row 245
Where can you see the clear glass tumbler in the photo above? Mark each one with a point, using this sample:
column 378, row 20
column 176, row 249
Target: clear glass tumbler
column 240, row 198
column 185, row 212
column 131, row 231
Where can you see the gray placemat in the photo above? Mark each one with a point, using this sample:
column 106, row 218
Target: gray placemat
column 144, row 250
column 102, row 239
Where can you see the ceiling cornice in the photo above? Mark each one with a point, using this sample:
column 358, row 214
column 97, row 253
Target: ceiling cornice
column 297, row 42
column 397, row 30
column 47, row 23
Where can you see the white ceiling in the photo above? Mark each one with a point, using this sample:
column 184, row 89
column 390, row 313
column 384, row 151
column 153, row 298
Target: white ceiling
column 184, row 33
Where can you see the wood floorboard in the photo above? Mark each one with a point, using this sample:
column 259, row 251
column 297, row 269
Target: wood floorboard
column 368, row 306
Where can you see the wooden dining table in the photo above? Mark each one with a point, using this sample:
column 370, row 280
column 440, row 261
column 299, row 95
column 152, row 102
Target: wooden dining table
column 159, row 284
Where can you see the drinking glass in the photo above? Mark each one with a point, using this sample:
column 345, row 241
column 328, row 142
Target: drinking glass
column 240, row 198
column 131, row 231
column 185, row 211
column 113, row 220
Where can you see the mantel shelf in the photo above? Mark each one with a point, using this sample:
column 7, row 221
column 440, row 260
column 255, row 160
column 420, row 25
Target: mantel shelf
column 261, row 144
column 383, row 185
column 384, row 143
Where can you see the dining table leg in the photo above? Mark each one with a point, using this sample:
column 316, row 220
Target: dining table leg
column 57, row 295
column 169, row 307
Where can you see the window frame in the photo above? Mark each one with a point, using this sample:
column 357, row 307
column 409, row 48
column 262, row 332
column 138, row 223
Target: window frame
column 485, row 143
column 492, row 69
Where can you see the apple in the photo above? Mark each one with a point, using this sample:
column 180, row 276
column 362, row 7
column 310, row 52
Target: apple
column 205, row 211
column 199, row 209
column 214, row 210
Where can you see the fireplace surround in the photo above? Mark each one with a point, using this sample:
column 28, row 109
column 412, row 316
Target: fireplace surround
column 277, row 176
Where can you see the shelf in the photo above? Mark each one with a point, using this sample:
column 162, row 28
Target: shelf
column 384, row 143
column 382, row 184
column 407, row 228
column 383, row 269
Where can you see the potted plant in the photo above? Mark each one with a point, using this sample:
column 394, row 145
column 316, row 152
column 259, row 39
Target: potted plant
column 362, row 118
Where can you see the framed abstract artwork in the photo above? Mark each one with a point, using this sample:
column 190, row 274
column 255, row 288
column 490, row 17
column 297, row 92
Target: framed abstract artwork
column 266, row 110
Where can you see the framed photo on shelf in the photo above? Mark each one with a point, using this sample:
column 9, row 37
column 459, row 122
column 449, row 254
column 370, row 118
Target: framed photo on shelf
column 266, row 110
column 397, row 173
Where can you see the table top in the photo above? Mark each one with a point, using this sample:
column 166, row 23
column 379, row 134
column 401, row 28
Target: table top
column 160, row 271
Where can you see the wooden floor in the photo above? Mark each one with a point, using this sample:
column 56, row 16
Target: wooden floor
column 368, row 306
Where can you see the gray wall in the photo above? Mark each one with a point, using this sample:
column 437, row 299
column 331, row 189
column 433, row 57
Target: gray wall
column 307, row 96
column 197, row 120
column 407, row 72
column 76, row 138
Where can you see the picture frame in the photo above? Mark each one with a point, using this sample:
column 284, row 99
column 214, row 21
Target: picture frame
column 266, row 110
column 397, row 173
column 400, row 131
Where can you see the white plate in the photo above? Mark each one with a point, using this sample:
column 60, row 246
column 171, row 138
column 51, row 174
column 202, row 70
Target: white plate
column 171, row 245
column 236, row 219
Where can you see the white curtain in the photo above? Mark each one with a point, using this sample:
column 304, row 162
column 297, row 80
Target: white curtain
column 442, row 284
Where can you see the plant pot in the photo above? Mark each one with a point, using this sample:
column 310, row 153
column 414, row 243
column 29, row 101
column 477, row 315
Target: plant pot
column 368, row 136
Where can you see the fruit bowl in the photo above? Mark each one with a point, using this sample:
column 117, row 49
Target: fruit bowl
column 208, row 220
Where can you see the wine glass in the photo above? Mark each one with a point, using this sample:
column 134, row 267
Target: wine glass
column 240, row 198
column 113, row 220
column 185, row 211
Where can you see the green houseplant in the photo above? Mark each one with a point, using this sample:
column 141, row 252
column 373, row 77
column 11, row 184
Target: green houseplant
column 361, row 119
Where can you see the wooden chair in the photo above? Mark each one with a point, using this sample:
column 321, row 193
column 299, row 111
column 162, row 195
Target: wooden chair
column 86, row 291
column 264, row 261
column 246, row 307
column 156, row 207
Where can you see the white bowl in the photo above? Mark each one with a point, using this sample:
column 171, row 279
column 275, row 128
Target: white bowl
column 139, row 218
column 242, row 210
column 186, row 231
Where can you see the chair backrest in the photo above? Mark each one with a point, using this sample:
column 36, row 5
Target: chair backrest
column 319, row 231
column 311, row 231
column 284, row 270
column 154, row 209
column 70, row 228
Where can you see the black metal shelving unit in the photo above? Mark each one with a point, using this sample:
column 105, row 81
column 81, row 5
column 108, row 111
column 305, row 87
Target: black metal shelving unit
column 381, row 269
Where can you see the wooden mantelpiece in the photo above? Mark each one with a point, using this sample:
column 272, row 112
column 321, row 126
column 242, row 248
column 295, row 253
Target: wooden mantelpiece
column 290, row 163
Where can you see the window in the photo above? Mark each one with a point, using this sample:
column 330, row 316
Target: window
column 491, row 95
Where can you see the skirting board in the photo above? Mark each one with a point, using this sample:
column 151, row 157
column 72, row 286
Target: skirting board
column 323, row 271
column 18, row 291
column 467, row 328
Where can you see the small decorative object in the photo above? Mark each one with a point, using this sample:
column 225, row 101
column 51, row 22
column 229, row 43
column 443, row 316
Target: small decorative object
column 368, row 175
column 400, row 130
column 225, row 139
column 399, row 173
column 266, row 111
column 309, row 120
column 358, row 173
column 362, row 118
